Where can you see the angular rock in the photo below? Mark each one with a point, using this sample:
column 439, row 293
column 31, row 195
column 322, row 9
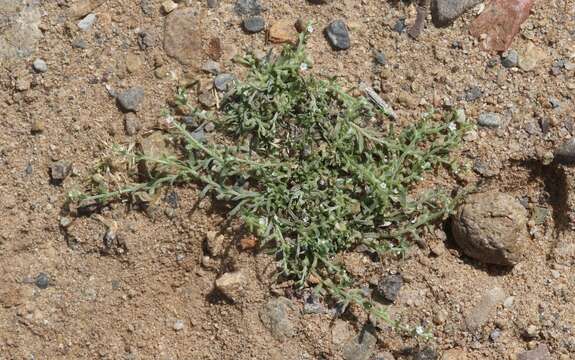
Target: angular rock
column 207, row 99
column 211, row 67
column 389, row 286
column 59, row 171
column 485, row 308
column 283, row 31
column 490, row 120
column 510, row 58
column 338, row 35
column 168, row 6
column 215, row 243
column 131, row 124
column 492, row 228
column 131, row 99
column 565, row 154
column 275, row 316
column 444, row 12
column 86, row 23
column 231, row 285
column 541, row 353
column 248, row 7
column 183, row 36
column 155, row 146
column 254, row 24
column 360, row 347
column 224, row 82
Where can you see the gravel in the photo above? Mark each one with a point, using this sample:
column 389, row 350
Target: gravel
column 254, row 24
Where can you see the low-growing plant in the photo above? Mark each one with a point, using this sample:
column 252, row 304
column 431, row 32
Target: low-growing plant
column 305, row 169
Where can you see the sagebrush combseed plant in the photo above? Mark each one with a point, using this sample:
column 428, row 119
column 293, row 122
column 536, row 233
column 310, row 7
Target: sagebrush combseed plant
column 310, row 170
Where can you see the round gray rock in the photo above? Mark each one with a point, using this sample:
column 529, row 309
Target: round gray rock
column 40, row 65
column 492, row 228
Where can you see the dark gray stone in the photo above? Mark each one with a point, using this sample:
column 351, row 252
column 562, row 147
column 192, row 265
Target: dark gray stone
column 131, row 99
column 380, row 58
column 223, row 82
column 473, row 93
column 565, row 154
column 490, row 120
column 444, row 12
column 212, row 4
column 254, row 24
column 42, row 281
column 338, row 35
column 389, row 287
column 248, row 7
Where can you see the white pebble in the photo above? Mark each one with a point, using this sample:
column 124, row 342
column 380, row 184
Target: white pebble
column 87, row 22
column 40, row 65
column 178, row 325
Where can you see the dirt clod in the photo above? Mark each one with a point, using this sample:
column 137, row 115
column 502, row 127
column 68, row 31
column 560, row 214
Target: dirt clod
column 492, row 228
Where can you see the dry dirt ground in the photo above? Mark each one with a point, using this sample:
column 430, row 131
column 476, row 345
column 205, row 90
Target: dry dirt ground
column 154, row 299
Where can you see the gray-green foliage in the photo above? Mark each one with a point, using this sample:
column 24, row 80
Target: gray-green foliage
column 309, row 174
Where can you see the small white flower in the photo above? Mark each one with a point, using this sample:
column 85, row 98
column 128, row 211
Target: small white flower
column 419, row 330
column 452, row 126
column 303, row 67
column 310, row 29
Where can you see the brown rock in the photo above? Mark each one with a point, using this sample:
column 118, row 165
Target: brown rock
column 133, row 63
column 492, row 228
column 248, row 242
column 283, row 31
column 183, row 36
column 485, row 308
column 155, row 146
column 231, row 285
column 530, row 57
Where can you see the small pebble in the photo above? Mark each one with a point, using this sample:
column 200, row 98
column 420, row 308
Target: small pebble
column 531, row 332
column 38, row 126
column 168, row 6
column 178, row 325
column 495, row 334
column 224, row 81
column 489, row 120
column 338, row 35
column 510, row 58
column 59, row 170
column 399, row 26
column 86, row 23
column 131, row 99
column 40, row 66
column 212, row 4
column 389, row 287
column 380, row 58
column 42, row 281
column 211, row 67
column 254, row 24
column 473, row 93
